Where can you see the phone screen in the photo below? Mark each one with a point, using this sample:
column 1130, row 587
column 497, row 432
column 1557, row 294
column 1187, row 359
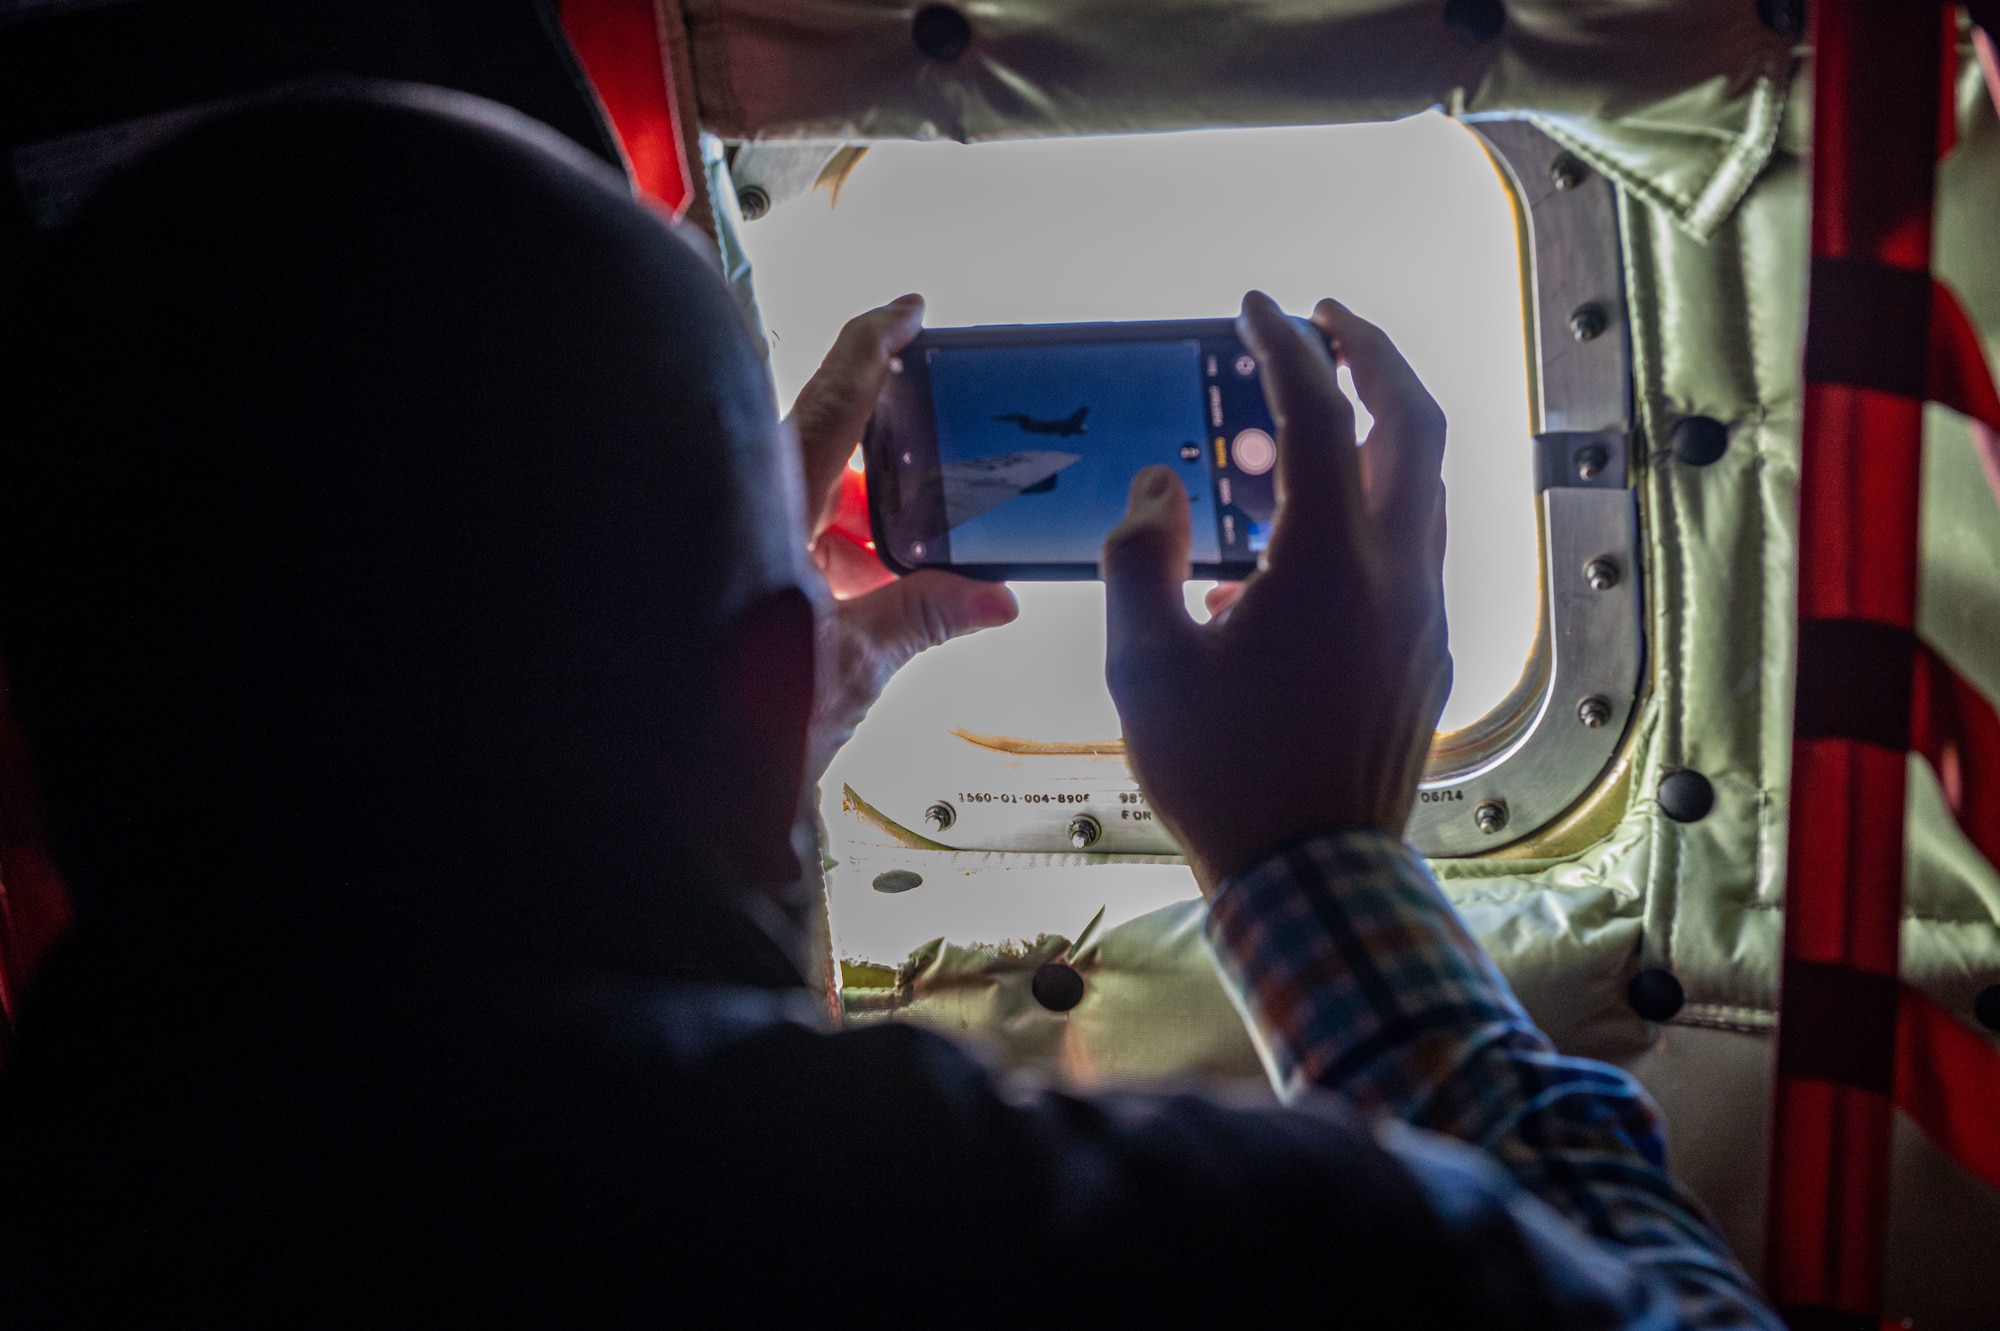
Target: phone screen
column 1011, row 451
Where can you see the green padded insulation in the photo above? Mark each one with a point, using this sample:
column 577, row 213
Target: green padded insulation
column 1715, row 250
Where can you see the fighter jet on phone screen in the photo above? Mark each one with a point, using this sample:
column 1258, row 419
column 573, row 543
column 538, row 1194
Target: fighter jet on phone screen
column 1062, row 429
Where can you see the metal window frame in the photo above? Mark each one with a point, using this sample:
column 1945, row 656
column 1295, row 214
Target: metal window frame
column 1523, row 765
column 1545, row 747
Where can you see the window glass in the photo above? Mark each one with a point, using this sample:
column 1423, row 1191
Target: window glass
column 1406, row 222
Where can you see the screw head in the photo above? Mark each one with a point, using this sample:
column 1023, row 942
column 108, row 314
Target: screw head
column 1568, row 171
column 1084, row 831
column 1491, row 815
column 940, row 816
column 1057, row 986
column 1601, row 573
column 1594, row 711
column 1591, row 460
column 753, row 201
column 1655, row 994
column 1588, row 323
column 1698, row 440
column 1686, row 796
column 941, row 33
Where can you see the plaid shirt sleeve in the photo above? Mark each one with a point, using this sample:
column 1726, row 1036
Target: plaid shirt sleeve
column 1358, row 978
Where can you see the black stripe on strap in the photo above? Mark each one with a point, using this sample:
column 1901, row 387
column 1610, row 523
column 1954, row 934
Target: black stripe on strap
column 1838, row 1024
column 1854, row 682
column 1868, row 326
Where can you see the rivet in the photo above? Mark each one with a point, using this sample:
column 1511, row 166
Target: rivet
column 1655, row 994
column 753, row 202
column 1057, row 987
column 1475, row 22
column 1594, row 711
column 941, row 33
column 1591, row 460
column 897, row 880
column 1783, row 16
column 1084, row 831
column 1491, row 815
column 1568, row 171
column 1986, row 1007
column 1686, row 796
column 940, row 816
column 1587, row 323
column 1699, row 440
column 1601, row 573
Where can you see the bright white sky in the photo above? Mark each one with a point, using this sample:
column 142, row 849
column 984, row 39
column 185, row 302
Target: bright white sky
column 1406, row 223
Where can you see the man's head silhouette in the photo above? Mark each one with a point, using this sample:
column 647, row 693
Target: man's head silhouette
column 398, row 554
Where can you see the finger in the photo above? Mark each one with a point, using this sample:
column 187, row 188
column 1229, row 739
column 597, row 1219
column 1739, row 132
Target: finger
column 851, row 569
column 833, row 408
column 1220, row 597
column 926, row 609
column 1318, row 478
column 1146, row 559
column 1402, row 457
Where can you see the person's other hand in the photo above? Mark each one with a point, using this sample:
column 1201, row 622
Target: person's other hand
column 1309, row 702
column 880, row 621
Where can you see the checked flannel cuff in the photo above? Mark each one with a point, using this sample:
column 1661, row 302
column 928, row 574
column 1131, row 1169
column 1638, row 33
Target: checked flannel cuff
column 1357, row 975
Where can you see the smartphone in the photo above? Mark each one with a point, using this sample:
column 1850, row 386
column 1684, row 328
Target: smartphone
column 1009, row 451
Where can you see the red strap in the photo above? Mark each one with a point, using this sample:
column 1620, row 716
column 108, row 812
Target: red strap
column 1948, row 1082
column 622, row 47
column 1960, row 379
column 1876, row 70
column 1989, row 61
column 1958, row 732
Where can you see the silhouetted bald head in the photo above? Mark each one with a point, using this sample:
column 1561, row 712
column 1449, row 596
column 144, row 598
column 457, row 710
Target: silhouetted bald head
column 378, row 480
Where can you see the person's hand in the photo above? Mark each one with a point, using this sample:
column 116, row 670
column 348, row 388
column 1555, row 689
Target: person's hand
column 880, row 621
column 1309, row 702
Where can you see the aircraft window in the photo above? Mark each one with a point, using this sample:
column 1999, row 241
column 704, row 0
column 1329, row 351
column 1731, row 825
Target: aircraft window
column 1406, row 222
column 999, row 752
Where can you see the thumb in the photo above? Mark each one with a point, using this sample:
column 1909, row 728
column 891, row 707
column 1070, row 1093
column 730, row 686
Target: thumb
column 1145, row 562
column 923, row 610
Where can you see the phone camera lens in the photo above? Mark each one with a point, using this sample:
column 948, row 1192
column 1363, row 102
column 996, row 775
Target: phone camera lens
column 1245, row 366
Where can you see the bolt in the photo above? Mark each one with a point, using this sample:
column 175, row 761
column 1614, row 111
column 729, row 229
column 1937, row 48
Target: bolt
column 1084, row 831
column 1655, row 994
column 1686, row 796
column 1699, row 440
column 940, row 816
column 1591, row 461
column 1491, row 815
column 753, row 202
column 1587, row 324
column 1594, row 711
column 1475, row 22
column 941, row 33
column 1601, row 573
column 1568, row 171
column 1787, row 17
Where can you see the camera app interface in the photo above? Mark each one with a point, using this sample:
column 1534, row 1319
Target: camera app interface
column 1037, row 445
